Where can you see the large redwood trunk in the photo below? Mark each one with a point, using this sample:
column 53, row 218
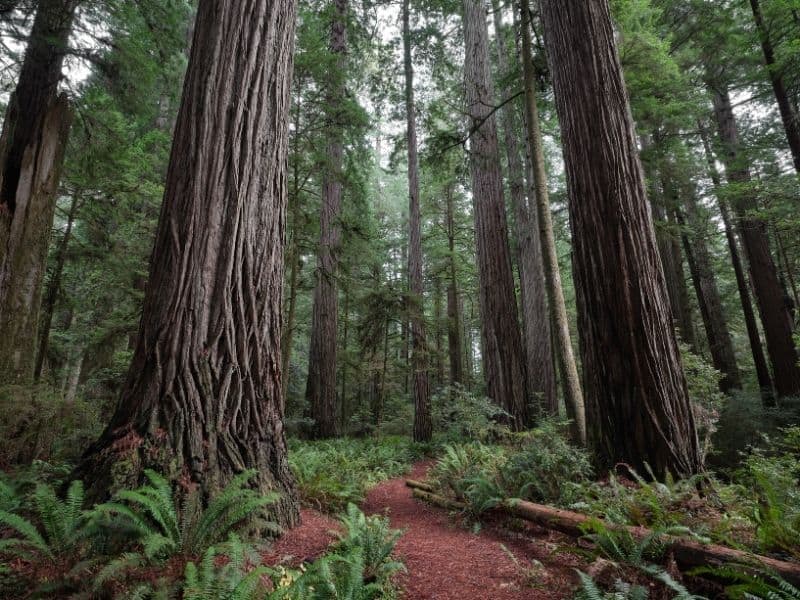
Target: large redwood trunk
column 321, row 384
column 638, row 407
column 504, row 369
column 753, row 230
column 423, row 427
column 32, row 145
column 536, row 332
column 202, row 400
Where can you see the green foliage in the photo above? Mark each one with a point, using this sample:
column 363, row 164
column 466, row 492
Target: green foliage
column 751, row 582
column 375, row 539
column 459, row 415
column 38, row 423
column 235, row 579
column 546, row 468
column 333, row 473
column 772, row 474
column 460, row 464
column 150, row 515
column 58, row 526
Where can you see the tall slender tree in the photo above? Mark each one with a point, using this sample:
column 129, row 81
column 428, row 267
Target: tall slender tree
column 638, row 406
column 753, row 230
column 202, row 399
column 756, row 349
column 788, row 112
column 573, row 394
column 533, row 299
column 32, row 145
column 503, row 364
column 321, row 383
column 423, row 428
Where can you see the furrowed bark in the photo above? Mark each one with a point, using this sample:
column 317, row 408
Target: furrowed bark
column 637, row 402
column 202, row 399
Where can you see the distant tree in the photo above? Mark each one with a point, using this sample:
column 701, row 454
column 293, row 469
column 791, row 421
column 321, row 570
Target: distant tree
column 419, row 345
column 321, row 384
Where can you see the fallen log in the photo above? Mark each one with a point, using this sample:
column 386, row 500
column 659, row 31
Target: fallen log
column 420, row 485
column 687, row 552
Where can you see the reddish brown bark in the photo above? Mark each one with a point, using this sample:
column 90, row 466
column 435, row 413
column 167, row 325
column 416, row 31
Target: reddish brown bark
column 504, row 369
column 638, row 409
column 321, row 384
column 423, row 427
column 202, row 399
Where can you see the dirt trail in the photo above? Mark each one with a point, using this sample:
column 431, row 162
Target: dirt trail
column 446, row 560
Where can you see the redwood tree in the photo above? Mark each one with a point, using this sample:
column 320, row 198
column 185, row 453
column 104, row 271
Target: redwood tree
column 755, row 239
column 423, row 428
column 638, row 408
column 32, row 145
column 503, row 365
column 202, row 399
column 321, row 383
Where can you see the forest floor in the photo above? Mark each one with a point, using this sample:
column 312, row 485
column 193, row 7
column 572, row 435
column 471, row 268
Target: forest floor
column 447, row 559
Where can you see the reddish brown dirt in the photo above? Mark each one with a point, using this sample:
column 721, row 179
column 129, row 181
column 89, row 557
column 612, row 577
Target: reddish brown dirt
column 445, row 559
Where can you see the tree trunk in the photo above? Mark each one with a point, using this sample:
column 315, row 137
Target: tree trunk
column 202, row 399
column 573, row 394
column 454, row 321
column 344, row 412
column 669, row 250
column 637, row 401
column 321, row 384
column 539, row 368
column 32, row 146
column 423, row 428
column 504, row 367
column 791, row 124
column 295, row 266
column 693, row 235
column 769, row 296
column 753, row 335
column 53, row 288
column 437, row 330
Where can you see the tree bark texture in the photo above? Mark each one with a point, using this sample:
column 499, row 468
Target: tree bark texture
column 638, row 406
column 321, row 384
column 573, row 394
column 791, row 123
column 536, row 336
column 753, row 230
column 32, row 146
column 503, row 359
column 423, row 427
column 754, row 336
column 202, row 400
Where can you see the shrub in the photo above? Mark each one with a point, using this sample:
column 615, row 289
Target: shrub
column 547, row 467
column 460, row 464
column 458, row 415
column 331, row 474
column 37, row 423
